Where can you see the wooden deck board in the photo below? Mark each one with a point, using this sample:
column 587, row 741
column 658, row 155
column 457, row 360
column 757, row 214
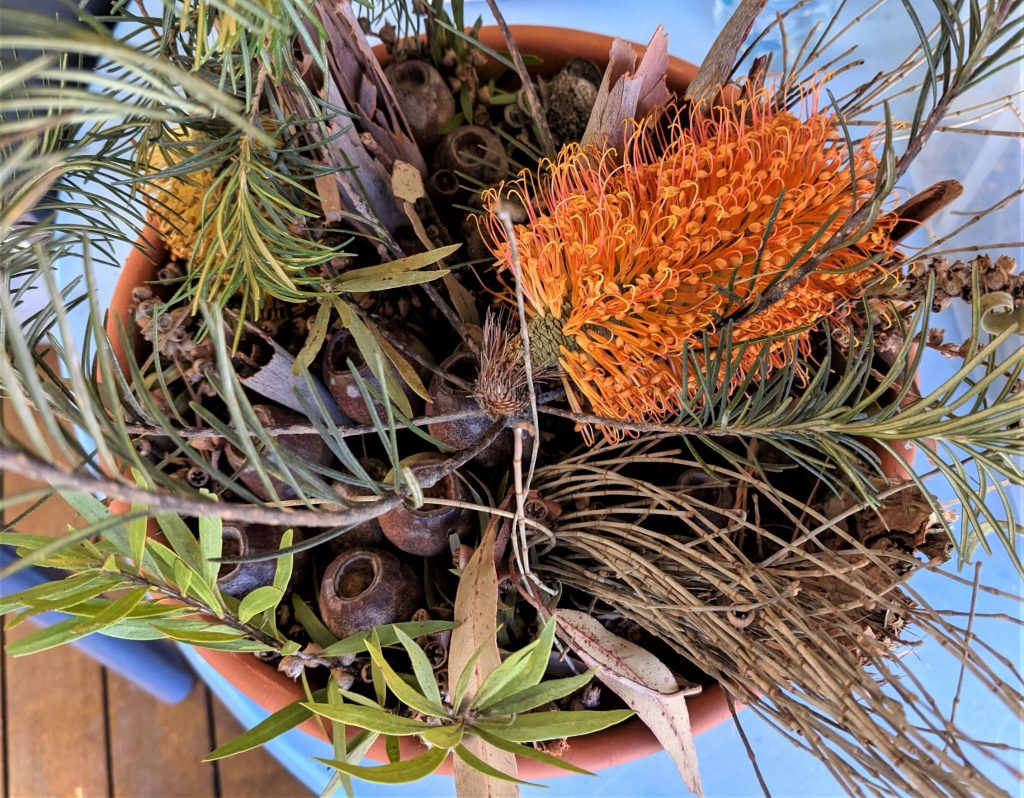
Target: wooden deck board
column 157, row 748
column 254, row 773
column 55, row 735
column 70, row 728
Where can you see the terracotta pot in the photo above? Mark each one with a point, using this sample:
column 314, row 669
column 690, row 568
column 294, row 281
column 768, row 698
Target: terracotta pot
column 272, row 690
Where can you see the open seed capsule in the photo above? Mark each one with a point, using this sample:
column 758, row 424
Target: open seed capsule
column 364, row 588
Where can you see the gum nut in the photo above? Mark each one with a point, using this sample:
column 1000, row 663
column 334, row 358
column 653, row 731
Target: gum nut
column 473, row 150
column 364, row 588
column 449, row 398
column 423, row 96
column 367, row 535
column 425, row 531
column 309, row 448
column 239, row 540
column 344, row 387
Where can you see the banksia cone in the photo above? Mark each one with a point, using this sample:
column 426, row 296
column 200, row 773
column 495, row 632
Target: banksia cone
column 624, row 265
column 176, row 204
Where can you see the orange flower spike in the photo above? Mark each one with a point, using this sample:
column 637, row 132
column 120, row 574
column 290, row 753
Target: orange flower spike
column 625, row 264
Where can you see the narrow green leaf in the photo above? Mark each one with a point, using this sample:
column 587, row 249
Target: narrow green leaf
column 211, row 542
column 266, row 730
column 311, row 622
column 463, row 684
column 528, row 751
column 96, row 512
column 477, row 763
column 421, row 667
column 397, row 773
column 41, row 595
column 285, row 563
column 182, row 541
column 260, row 599
column 523, row 669
column 538, row 726
column 137, row 538
column 182, row 576
column 404, row 692
column 355, row 644
column 538, row 695
column 75, row 628
column 446, row 736
column 377, row 720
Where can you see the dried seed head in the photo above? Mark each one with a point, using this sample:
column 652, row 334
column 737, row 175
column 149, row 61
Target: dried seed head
column 502, row 389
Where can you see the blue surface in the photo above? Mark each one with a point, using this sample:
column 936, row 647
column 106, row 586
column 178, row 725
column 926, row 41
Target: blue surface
column 989, row 168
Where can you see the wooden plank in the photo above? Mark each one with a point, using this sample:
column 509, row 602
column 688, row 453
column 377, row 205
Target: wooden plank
column 55, row 723
column 254, row 774
column 157, row 749
column 4, row 789
column 55, row 735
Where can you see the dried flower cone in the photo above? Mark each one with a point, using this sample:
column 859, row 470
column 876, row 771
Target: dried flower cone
column 623, row 266
column 176, row 204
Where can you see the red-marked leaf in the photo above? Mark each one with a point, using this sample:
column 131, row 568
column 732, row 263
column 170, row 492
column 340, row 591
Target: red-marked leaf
column 642, row 681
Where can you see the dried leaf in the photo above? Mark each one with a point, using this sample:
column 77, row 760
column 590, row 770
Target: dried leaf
column 330, row 197
column 315, row 339
column 998, row 314
column 642, row 681
column 923, row 205
column 476, row 612
column 464, row 305
column 407, row 182
column 721, row 58
column 277, row 382
column 372, row 354
column 405, row 369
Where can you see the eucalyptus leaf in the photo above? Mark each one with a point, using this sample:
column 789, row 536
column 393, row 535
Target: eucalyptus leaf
column 266, row 730
column 377, row 720
column 396, row 773
column 538, row 726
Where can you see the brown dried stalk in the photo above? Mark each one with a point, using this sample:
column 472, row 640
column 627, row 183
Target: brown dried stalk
column 799, row 631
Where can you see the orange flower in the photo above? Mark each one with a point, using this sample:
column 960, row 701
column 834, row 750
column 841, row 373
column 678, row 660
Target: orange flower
column 625, row 264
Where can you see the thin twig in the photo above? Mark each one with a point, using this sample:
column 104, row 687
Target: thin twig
column 540, row 122
column 746, row 744
column 33, row 468
column 968, row 636
column 201, row 433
